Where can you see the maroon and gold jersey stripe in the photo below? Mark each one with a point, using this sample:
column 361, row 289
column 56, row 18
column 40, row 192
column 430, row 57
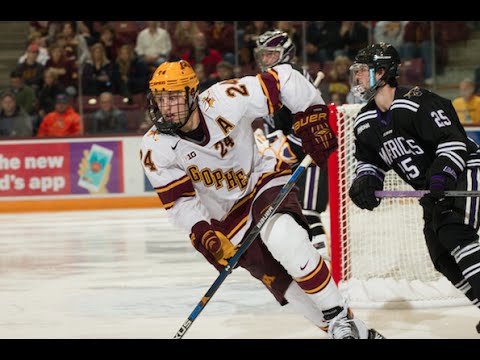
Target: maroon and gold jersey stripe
column 271, row 88
column 169, row 193
column 316, row 280
column 238, row 215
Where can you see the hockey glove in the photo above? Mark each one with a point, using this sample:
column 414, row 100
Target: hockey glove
column 442, row 178
column 318, row 139
column 205, row 237
column 362, row 191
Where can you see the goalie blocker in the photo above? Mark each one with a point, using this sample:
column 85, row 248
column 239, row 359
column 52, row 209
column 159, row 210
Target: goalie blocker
column 318, row 139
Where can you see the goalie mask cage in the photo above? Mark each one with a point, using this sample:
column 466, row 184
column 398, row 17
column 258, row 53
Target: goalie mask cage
column 379, row 257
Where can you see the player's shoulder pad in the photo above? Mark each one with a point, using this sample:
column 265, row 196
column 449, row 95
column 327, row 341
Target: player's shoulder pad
column 283, row 68
column 416, row 94
column 222, row 96
column 424, row 97
column 160, row 144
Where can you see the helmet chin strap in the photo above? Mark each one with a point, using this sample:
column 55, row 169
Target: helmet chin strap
column 191, row 109
column 370, row 93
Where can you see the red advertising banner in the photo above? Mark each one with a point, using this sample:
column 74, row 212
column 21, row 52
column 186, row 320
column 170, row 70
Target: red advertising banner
column 61, row 168
column 34, row 169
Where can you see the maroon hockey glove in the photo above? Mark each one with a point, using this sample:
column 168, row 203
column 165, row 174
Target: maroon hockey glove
column 318, row 139
column 212, row 242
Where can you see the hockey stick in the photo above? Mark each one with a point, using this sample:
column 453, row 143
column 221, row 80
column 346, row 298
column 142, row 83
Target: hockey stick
column 318, row 79
column 420, row 193
column 248, row 240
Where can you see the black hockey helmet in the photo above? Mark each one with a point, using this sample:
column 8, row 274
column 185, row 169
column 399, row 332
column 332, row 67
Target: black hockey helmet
column 375, row 57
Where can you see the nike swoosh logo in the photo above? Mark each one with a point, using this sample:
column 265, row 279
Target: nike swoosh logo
column 174, row 147
column 304, row 266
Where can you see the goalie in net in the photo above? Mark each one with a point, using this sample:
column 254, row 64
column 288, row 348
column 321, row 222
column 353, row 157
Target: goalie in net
column 274, row 133
column 417, row 134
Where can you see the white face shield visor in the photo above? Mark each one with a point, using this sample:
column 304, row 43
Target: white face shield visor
column 266, row 57
column 362, row 81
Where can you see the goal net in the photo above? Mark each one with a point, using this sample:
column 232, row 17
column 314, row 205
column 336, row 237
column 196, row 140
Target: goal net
column 379, row 257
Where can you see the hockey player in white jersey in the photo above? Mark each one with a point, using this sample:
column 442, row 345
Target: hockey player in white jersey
column 200, row 156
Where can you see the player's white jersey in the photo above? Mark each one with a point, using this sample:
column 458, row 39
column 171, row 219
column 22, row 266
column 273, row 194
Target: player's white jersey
column 204, row 181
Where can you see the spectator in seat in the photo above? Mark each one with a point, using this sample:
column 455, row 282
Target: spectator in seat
column 62, row 121
column 35, row 38
column 66, row 70
column 76, row 47
column 108, row 119
column 323, row 41
column 153, row 45
column 90, row 30
column 109, row 41
column 391, row 32
column 14, row 121
column 202, row 53
column 97, row 72
column 130, row 75
column 338, row 78
column 31, row 70
column 46, row 29
column 183, row 36
column 354, row 35
column 417, row 42
column 221, row 37
column 225, row 71
column 46, row 95
column 467, row 105
column 25, row 95
column 204, row 81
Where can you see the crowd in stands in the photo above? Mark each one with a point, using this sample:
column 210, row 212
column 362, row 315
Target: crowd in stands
column 91, row 77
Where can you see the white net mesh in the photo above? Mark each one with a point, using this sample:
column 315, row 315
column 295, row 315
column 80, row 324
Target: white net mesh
column 384, row 259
